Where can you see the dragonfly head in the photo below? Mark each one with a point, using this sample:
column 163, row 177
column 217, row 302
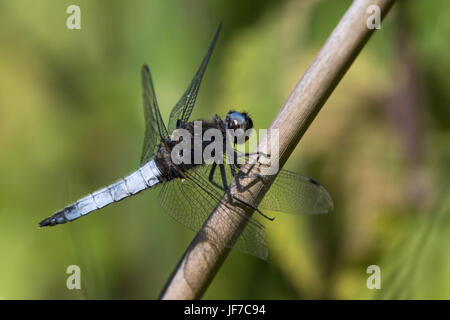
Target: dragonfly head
column 240, row 122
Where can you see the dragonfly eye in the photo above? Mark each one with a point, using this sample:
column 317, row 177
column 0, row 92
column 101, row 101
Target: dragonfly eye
column 239, row 123
column 236, row 120
column 234, row 125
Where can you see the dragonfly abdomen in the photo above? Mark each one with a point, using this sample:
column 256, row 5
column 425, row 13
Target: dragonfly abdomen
column 143, row 178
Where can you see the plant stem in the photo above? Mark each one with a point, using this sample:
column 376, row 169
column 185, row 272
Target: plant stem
column 203, row 259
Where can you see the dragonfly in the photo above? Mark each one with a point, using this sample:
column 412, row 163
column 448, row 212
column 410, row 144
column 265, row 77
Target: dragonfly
column 191, row 191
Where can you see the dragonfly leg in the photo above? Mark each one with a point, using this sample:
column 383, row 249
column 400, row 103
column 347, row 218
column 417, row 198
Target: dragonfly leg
column 226, row 189
column 248, row 154
column 211, row 177
column 225, row 186
column 254, row 208
column 237, row 175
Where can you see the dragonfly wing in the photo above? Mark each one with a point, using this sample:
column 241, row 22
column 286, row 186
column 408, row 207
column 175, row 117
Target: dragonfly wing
column 296, row 194
column 190, row 201
column 155, row 130
column 182, row 110
column 289, row 193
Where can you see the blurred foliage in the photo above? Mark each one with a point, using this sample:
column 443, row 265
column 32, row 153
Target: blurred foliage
column 71, row 121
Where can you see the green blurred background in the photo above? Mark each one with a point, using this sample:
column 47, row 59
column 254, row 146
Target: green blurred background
column 71, row 121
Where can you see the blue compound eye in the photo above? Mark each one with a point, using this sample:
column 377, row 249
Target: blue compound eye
column 236, row 120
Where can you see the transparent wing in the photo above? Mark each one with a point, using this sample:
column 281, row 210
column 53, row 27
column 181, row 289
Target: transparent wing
column 296, row 194
column 183, row 109
column 293, row 193
column 155, row 130
column 191, row 200
column 290, row 193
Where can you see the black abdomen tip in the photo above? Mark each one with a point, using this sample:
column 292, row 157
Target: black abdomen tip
column 55, row 219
